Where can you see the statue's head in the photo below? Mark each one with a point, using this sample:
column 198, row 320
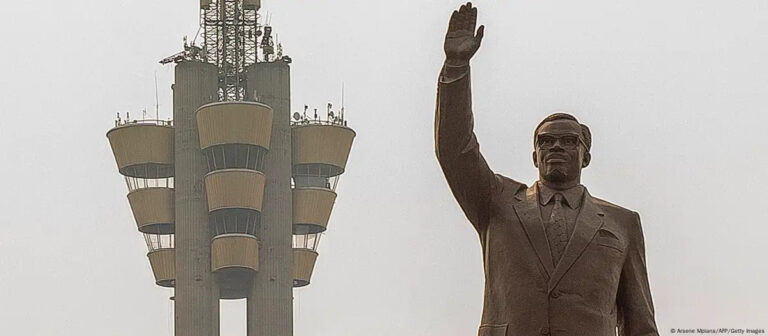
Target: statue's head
column 561, row 149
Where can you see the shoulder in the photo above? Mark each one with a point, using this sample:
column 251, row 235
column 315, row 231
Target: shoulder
column 612, row 208
column 626, row 219
column 509, row 187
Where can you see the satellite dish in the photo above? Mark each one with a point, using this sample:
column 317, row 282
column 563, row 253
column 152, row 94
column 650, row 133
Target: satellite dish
column 296, row 115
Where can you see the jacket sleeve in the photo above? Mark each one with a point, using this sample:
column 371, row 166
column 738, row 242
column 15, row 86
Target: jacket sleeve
column 469, row 177
column 635, row 306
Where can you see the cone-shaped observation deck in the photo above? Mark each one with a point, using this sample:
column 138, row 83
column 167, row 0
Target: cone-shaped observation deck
column 234, row 138
column 319, row 156
column 144, row 153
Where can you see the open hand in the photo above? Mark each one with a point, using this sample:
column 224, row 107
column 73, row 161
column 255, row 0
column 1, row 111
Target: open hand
column 461, row 42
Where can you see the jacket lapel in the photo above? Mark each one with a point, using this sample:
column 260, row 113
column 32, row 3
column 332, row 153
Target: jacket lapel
column 589, row 220
column 530, row 217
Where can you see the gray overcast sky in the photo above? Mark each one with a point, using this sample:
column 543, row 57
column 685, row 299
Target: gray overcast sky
column 674, row 91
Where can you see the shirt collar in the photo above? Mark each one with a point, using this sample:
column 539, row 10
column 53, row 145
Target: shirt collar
column 572, row 196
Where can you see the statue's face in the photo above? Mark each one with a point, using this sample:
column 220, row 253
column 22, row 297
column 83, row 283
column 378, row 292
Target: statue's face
column 560, row 152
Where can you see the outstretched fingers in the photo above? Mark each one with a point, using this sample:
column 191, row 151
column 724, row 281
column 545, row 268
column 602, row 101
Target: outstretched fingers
column 462, row 41
column 472, row 18
column 467, row 18
column 453, row 24
column 463, row 19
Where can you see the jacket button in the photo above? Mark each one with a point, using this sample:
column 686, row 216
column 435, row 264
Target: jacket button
column 555, row 294
column 544, row 331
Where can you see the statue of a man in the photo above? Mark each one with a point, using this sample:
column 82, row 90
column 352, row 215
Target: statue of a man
column 557, row 260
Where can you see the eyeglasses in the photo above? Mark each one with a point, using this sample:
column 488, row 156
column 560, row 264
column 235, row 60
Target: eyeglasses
column 566, row 141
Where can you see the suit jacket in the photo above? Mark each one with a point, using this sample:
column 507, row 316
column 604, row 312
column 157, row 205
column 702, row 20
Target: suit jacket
column 600, row 285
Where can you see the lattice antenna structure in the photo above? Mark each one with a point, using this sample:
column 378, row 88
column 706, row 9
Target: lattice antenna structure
column 230, row 33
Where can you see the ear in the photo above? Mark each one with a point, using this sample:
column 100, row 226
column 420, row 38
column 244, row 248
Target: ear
column 586, row 160
column 535, row 161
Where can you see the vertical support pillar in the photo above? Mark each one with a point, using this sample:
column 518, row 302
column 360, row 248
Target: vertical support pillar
column 197, row 296
column 270, row 303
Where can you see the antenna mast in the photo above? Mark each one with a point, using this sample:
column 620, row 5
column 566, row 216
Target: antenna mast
column 230, row 31
column 157, row 100
column 342, row 101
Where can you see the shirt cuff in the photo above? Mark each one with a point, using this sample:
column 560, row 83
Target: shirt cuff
column 453, row 73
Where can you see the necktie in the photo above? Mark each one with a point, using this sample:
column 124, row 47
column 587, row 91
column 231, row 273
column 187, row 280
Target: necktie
column 556, row 230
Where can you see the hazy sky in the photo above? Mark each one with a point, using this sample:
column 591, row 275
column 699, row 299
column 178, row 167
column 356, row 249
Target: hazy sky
column 674, row 92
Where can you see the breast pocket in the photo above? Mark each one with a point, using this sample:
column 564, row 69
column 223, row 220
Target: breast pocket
column 493, row 330
column 609, row 239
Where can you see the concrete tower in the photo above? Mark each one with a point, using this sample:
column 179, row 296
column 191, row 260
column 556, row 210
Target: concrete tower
column 269, row 313
column 232, row 195
column 197, row 301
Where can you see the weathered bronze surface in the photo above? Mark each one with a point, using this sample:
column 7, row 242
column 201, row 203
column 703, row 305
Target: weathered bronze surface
column 558, row 261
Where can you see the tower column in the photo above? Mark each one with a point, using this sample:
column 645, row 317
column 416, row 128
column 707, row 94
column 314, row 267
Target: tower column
column 270, row 303
column 197, row 296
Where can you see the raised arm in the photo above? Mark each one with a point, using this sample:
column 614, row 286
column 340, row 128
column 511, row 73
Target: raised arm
column 471, row 180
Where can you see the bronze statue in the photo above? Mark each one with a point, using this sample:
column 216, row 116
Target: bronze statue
column 557, row 260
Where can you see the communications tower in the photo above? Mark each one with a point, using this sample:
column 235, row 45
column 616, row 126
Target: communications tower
column 232, row 195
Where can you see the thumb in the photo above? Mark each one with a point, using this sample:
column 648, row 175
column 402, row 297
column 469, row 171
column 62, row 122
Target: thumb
column 480, row 33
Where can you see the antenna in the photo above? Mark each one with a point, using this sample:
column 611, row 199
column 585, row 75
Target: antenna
column 342, row 101
column 197, row 34
column 267, row 44
column 157, row 100
column 229, row 41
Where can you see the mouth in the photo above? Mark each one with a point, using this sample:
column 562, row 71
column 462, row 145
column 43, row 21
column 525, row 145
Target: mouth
column 556, row 159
